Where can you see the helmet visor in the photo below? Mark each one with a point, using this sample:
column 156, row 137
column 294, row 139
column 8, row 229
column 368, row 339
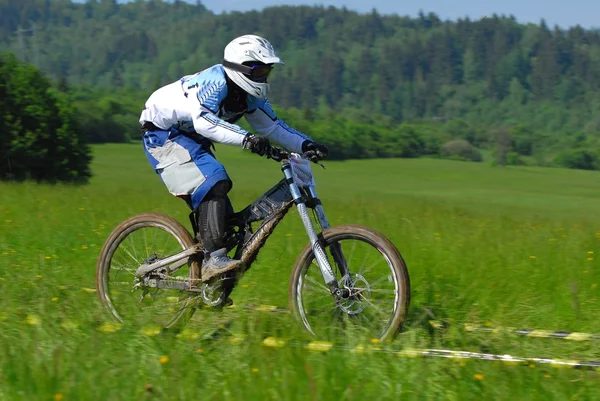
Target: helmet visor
column 258, row 72
column 255, row 70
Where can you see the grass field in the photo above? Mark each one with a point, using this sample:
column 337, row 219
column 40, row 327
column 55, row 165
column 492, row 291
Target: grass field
column 491, row 246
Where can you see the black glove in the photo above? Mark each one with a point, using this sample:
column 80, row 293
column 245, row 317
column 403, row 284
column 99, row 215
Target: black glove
column 256, row 144
column 320, row 149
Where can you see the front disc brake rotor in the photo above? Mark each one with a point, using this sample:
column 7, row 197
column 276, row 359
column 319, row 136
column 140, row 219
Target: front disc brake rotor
column 359, row 288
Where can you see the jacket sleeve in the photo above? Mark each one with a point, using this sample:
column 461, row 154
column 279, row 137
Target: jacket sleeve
column 263, row 119
column 208, row 124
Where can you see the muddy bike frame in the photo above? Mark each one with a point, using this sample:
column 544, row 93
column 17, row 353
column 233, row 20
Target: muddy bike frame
column 297, row 187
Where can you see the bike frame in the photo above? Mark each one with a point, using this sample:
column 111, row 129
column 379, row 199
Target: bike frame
column 270, row 208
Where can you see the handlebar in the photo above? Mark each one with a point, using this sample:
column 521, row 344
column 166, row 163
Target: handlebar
column 279, row 154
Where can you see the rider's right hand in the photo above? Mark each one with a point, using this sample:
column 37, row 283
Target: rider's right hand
column 256, row 144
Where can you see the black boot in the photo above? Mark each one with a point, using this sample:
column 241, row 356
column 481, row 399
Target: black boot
column 211, row 230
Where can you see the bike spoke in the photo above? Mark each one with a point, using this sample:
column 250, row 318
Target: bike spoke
column 348, row 261
column 368, row 301
column 134, row 258
column 319, row 285
column 123, row 268
column 364, row 272
column 379, row 280
column 146, row 247
column 392, row 292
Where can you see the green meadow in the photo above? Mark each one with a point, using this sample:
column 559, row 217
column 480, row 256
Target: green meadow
column 496, row 247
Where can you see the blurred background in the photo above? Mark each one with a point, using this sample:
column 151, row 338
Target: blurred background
column 467, row 132
column 517, row 81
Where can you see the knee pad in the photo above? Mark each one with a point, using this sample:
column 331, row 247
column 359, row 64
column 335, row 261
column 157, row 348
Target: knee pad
column 219, row 190
column 211, row 216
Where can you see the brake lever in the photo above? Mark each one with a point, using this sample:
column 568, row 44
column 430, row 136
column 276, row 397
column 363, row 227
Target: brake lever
column 315, row 159
column 276, row 158
column 276, row 154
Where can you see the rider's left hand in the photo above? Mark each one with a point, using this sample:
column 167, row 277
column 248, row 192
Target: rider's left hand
column 257, row 144
column 320, row 149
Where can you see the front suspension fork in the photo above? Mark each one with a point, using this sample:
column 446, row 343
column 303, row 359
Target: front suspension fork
column 318, row 250
column 336, row 248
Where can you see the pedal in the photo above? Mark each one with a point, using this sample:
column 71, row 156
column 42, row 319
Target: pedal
column 212, row 295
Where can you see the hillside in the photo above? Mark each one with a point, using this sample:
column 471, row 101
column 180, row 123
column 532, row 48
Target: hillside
column 402, row 67
column 472, row 78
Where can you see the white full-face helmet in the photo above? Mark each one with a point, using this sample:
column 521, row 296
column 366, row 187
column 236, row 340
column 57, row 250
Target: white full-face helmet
column 248, row 61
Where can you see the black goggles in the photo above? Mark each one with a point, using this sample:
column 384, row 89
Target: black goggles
column 256, row 72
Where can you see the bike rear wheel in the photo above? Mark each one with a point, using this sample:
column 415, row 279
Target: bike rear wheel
column 141, row 239
column 378, row 281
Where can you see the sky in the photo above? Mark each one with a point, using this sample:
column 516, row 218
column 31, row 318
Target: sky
column 564, row 13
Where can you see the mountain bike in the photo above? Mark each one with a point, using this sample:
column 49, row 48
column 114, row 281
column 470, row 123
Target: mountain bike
column 150, row 265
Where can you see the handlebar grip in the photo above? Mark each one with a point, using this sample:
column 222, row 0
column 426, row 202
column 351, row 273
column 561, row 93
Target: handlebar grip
column 279, row 154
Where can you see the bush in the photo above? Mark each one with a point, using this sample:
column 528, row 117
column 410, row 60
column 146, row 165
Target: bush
column 522, row 140
column 577, row 158
column 460, row 149
column 108, row 117
column 514, row 159
column 39, row 136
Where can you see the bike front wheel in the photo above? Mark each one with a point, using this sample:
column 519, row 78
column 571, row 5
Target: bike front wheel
column 371, row 271
column 144, row 238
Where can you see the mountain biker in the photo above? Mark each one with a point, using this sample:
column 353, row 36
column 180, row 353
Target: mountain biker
column 181, row 121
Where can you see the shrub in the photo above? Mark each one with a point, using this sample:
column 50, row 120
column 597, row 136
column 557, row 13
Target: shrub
column 577, row 158
column 39, row 135
column 459, row 149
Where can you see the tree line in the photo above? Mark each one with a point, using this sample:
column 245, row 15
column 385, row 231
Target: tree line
column 371, row 85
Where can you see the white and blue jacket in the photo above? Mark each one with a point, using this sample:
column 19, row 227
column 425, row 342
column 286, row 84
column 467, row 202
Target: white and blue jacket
column 202, row 103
